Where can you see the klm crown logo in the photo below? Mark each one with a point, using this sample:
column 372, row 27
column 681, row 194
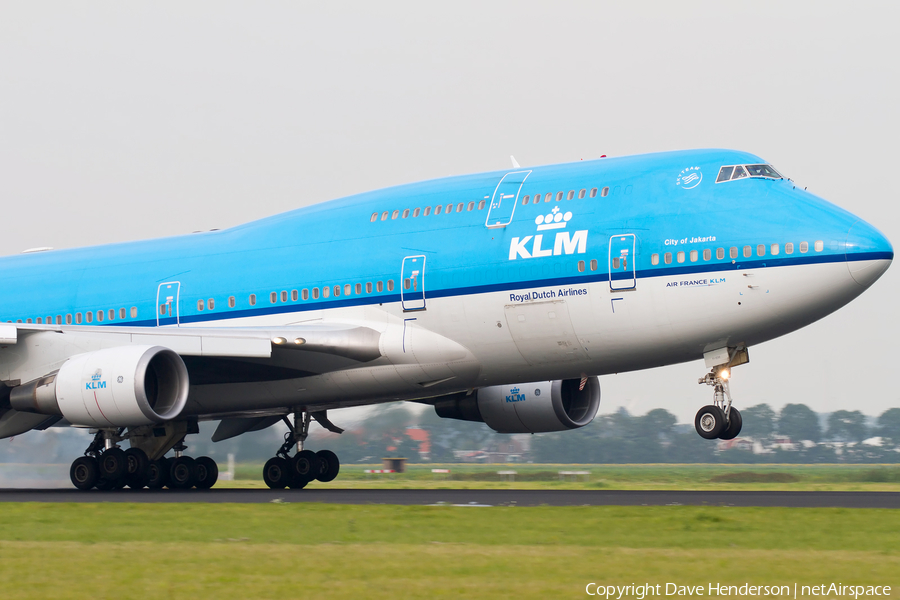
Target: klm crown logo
column 563, row 243
column 515, row 396
column 96, row 376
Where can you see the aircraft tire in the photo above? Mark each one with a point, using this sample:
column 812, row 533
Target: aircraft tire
column 733, row 429
column 709, row 422
column 330, row 465
column 182, row 473
column 113, row 464
column 84, row 472
column 137, row 468
column 157, row 474
column 276, row 473
column 305, row 465
column 207, row 473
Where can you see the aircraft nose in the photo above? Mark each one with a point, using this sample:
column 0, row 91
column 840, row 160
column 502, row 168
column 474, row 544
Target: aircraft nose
column 868, row 253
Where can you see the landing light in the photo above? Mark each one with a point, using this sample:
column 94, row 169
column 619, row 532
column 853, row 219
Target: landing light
column 279, row 341
column 724, row 374
column 299, row 341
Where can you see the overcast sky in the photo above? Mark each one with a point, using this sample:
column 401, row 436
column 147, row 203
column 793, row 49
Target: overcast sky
column 122, row 121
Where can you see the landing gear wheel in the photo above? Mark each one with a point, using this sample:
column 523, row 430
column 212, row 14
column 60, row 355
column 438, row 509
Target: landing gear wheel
column 330, row 465
column 709, row 422
column 298, row 483
column 207, row 473
column 137, row 471
column 734, row 425
column 276, row 473
column 305, row 466
column 182, row 473
column 158, row 474
column 113, row 464
column 84, row 472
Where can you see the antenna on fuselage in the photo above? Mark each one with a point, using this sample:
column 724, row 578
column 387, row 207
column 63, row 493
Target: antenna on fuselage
column 514, row 162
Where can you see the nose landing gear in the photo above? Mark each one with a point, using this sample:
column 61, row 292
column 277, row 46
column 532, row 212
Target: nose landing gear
column 720, row 419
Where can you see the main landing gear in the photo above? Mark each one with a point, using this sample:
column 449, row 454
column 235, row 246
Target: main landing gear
column 719, row 419
column 105, row 466
column 296, row 472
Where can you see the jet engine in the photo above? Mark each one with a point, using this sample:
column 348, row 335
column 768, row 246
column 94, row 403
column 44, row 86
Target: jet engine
column 527, row 407
column 116, row 387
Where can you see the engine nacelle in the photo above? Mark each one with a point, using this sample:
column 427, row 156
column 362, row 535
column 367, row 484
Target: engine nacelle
column 528, row 407
column 115, row 387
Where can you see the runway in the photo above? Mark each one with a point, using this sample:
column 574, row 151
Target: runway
column 473, row 498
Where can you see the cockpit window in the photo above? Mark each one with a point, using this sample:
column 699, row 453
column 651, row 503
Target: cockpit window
column 732, row 172
column 724, row 175
column 764, row 171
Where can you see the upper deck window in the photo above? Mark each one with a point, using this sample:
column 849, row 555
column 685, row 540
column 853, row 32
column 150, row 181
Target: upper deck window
column 732, row 172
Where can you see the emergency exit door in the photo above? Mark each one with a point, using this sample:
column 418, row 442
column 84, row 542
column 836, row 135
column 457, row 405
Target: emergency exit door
column 622, row 260
column 167, row 300
column 412, row 283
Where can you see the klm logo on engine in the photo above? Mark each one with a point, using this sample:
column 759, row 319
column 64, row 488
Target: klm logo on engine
column 515, row 396
column 563, row 243
column 96, row 383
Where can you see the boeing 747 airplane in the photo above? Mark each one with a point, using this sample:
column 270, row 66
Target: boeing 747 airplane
column 498, row 298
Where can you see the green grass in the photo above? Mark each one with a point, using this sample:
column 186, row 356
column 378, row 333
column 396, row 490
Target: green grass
column 622, row 477
column 219, row 551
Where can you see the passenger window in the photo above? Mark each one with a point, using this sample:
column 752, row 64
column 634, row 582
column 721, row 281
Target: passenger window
column 594, row 264
column 59, row 319
column 415, row 213
column 438, row 209
column 358, row 289
column 406, row 284
column 739, row 172
column 284, row 295
column 112, row 314
column 200, row 304
column 720, row 253
column 459, row 207
column 88, row 316
column 804, row 247
column 789, row 248
column 605, row 192
column 680, row 257
column 427, row 210
column 471, row 206
column 41, row 319
column 733, row 252
column 559, row 196
column 761, row 250
column 570, row 195
column 252, row 299
column 100, row 315
column 122, row 313
column 654, row 259
column 774, row 249
column 315, row 293
column 707, row 254
column 68, row 319
column 390, row 285
column 230, row 301
column 581, row 194
column 305, row 294
column 593, row 193
column 748, row 251
column 525, row 200
column 337, row 291
column 820, row 245
column 368, row 287
column 134, row 312
column 581, row 266
column 724, row 174
column 384, row 216
column 210, row 304
column 294, row 295
column 694, row 256
column 616, row 263
column 449, row 209
column 379, row 286
column 374, row 217
column 326, row 291
column 395, row 214
column 273, row 297
column 348, row 289
column 667, row 258
column 405, row 212
column 481, row 205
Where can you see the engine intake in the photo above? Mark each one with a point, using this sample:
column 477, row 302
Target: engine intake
column 115, row 387
column 528, row 407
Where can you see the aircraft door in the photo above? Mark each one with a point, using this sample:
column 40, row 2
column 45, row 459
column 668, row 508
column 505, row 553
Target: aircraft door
column 167, row 301
column 622, row 260
column 505, row 198
column 412, row 283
